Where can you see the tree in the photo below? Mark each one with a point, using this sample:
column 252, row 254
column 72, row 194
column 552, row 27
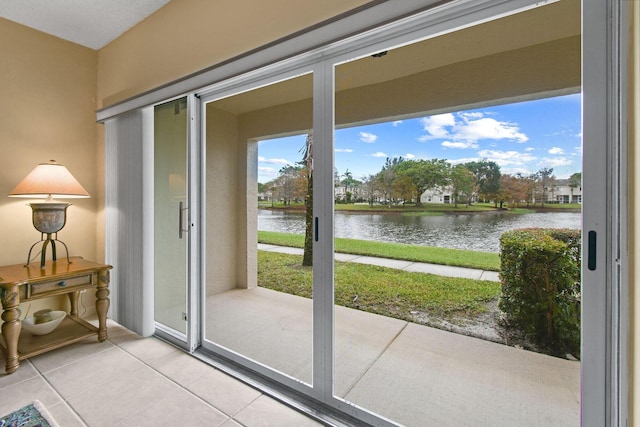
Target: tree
column 513, row 189
column 348, row 182
column 461, row 180
column 403, row 189
column 307, row 161
column 288, row 183
column 486, row 178
column 575, row 181
column 424, row 174
column 371, row 185
column 357, row 191
column 270, row 188
column 547, row 181
column 532, row 182
column 387, row 175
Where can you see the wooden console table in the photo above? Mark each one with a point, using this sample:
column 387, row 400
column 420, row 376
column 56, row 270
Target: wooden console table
column 20, row 283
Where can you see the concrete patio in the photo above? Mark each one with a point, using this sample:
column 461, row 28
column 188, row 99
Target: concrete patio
column 413, row 374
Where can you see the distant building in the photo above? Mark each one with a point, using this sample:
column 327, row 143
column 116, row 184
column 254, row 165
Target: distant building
column 561, row 192
column 437, row 195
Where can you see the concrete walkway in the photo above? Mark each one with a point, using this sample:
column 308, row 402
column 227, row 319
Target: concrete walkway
column 414, row 267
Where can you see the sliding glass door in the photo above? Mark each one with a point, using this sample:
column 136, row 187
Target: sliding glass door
column 431, row 158
column 171, row 224
column 292, row 155
column 258, row 293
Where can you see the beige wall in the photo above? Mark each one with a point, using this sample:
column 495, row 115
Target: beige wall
column 47, row 111
column 187, row 36
column 224, row 193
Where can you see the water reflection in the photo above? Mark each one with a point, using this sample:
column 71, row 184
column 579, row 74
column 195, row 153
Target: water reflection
column 479, row 232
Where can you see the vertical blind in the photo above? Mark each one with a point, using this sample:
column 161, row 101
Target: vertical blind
column 131, row 293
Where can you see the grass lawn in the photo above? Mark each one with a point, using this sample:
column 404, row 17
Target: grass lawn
column 380, row 290
column 456, row 257
column 560, row 206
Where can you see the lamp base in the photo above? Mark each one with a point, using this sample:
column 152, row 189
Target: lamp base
column 43, row 252
column 49, row 217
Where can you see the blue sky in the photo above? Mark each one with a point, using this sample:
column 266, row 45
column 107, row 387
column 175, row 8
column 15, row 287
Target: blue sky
column 522, row 137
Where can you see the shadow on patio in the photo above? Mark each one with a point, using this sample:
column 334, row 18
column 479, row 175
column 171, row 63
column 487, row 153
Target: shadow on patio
column 409, row 373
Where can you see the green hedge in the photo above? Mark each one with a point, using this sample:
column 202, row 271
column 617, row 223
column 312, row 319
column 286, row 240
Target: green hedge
column 540, row 276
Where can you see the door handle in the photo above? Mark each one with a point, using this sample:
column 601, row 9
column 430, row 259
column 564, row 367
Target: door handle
column 591, row 257
column 181, row 229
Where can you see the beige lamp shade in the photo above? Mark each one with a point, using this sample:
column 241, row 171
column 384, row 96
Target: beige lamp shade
column 49, row 180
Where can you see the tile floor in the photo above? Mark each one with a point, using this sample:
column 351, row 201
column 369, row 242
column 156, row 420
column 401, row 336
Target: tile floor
column 133, row 381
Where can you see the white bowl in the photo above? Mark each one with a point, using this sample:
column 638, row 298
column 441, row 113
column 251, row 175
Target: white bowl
column 29, row 325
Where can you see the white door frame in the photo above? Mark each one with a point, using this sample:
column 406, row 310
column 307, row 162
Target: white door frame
column 605, row 282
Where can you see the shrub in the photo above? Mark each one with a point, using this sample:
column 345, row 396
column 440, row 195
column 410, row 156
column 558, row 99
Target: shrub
column 540, row 276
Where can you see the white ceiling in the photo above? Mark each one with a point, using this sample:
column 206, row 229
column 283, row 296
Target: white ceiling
column 90, row 23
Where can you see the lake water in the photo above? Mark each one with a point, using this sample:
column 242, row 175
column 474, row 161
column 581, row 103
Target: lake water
column 480, row 232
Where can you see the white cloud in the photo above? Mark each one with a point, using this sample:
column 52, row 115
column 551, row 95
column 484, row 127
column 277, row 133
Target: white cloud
column 409, row 156
column 344, row 150
column 555, row 162
column 514, row 170
column 367, row 137
column 397, row 123
column 275, row 161
column 488, row 128
column 577, row 151
column 266, row 171
column 507, row 158
column 556, row 150
column 435, row 125
column 566, row 131
column 460, row 144
column 471, row 115
column 379, row 154
column 464, row 160
column 529, row 149
column 469, row 127
column 266, row 174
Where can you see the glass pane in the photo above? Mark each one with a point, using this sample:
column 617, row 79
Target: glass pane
column 258, row 292
column 170, row 202
column 438, row 166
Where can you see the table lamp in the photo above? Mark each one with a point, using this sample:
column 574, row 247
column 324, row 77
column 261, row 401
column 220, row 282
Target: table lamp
column 49, row 180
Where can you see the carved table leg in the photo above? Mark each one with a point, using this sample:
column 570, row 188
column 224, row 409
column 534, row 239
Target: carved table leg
column 73, row 300
column 11, row 326
column 102, row 303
